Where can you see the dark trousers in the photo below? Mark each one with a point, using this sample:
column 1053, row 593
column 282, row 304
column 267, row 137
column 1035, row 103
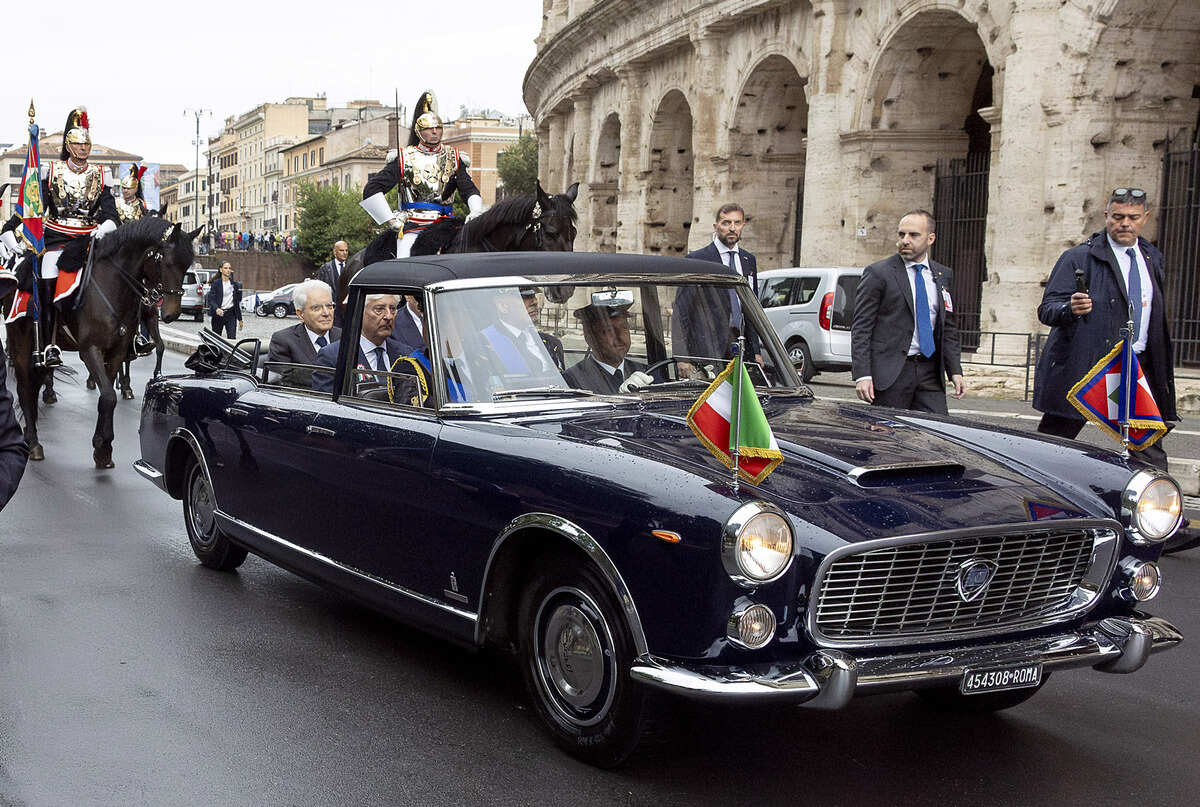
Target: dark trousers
column 228, row 323
column 1069, row 428
column 918, row 387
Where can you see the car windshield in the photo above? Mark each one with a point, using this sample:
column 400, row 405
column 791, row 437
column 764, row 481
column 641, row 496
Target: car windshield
column 560, row 340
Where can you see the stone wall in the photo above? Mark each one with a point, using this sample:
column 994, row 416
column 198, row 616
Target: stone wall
column 260, row 270
column 837, row 112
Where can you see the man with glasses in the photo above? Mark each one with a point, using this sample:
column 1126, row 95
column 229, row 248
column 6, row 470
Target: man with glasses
column 1086, row 304
column 299, row 344
column 377, row 350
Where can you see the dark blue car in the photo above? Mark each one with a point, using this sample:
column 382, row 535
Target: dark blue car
column 525, row 477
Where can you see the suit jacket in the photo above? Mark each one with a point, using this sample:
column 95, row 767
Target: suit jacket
column 589, row 375
column 1076, row 343
column 405, row 330
column 327, row 357
column 291, row 345
column 883, row 322
column 13, row 451
column 328, row 273
column 699, row 324
column 216, row 291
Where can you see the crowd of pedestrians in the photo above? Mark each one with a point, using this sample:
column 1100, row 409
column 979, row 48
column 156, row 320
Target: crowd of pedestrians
column 257, row 242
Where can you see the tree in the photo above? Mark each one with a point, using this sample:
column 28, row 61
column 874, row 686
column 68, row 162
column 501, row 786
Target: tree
column 518, row 166
column 328, row 215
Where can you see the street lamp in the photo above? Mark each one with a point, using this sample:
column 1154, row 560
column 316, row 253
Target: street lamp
column 196, row 203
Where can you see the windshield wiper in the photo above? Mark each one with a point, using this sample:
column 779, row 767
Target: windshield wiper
column 541, row 392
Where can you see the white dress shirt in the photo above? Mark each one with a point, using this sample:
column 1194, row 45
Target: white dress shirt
column 724, row 251
column 226, row 295
column 313, row 336
column 931, row 294
column 416, row 318
column 528, row 339
column 1139, row 344
column 367, row 348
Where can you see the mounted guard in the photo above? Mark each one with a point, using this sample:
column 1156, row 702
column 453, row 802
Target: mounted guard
column 428, row 173
column 79, row 208
column 131, row 206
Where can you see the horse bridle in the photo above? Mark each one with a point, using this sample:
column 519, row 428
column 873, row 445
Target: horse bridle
column 148, row 296
column 535, row 226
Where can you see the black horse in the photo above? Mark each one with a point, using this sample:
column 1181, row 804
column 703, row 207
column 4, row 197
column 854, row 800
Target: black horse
column 530, row 222
column 139, row 263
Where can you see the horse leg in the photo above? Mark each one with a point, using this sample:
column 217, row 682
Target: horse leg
column 29, row 380
column 102, row 440
column 160, row 347
column 48, row 394
column 123, row 376
column 91, row 381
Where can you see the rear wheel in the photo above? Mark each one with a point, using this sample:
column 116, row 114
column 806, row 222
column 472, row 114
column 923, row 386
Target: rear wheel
column 575, row 654
column 212, row 547
column 950, row 699
column 280, row 311
column 798, row 351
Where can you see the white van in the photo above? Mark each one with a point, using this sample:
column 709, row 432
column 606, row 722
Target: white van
column 812, row 309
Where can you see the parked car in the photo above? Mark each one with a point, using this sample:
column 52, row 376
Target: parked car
column 488, row 498
column 277, row 303
column 195, row 286
column 251, row 300
column 812, row 310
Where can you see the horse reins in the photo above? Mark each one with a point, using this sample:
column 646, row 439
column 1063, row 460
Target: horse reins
column 150, row 297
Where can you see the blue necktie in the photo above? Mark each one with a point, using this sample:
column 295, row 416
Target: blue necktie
column 1135, row 294
column 380, row 360
column 735, row 304
column 322, row 341
column 921, row 300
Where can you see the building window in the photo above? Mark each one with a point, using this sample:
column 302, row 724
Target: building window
column 305, row 161
column 322, row 155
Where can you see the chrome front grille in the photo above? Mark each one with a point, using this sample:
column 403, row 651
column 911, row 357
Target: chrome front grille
column 908, row 589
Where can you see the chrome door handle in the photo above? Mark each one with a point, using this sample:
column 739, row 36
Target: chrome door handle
column 236, row 412
column 321, row 430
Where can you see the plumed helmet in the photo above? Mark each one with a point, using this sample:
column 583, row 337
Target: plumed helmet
column 425, row 115
column 76, row 130
column 133, row 179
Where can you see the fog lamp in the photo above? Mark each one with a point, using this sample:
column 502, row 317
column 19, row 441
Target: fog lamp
column 1143, row 579
column 752, row 627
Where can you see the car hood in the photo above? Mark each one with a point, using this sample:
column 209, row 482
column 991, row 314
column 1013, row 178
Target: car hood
column 861, row 472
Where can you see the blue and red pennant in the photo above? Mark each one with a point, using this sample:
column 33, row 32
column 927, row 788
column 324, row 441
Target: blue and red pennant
column 30, row 208
column 1114, row 390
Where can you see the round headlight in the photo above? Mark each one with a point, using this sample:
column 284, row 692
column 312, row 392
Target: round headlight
column 757, row 545
column 1153, row 505
column 753, row 627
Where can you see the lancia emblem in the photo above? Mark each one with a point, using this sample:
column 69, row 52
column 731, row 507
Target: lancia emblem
column 974, row 576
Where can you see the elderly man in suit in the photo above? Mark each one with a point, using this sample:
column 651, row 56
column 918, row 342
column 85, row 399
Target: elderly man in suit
column 299, row 344
column 224, row 302
column 706, row 321
column 377, row 350
column 903, row 338
column 1113, row 267
column 605, row 368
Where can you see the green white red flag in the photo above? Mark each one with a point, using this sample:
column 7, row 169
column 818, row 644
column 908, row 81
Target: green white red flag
column 712, row 418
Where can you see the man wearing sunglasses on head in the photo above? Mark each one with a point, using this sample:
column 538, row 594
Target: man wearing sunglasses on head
column 1087, row 303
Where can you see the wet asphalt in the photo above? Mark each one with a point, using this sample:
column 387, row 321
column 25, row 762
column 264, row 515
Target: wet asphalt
column 130, row 675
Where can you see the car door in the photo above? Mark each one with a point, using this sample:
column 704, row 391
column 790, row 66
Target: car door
column 842, row 317
column 775, row 293
column 387, row 504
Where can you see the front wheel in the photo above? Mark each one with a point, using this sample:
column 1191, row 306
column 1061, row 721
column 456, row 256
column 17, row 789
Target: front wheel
column 575, row 654
column 950, row 699
column 280, row 311
column 211, row 546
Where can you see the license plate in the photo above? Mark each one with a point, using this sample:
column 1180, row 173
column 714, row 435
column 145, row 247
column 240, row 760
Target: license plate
column 997, row 679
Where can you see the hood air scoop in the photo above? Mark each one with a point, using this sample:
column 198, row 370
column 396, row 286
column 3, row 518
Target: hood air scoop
column 905, row 473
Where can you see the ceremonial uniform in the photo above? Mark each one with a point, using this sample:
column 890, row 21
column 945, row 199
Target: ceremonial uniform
column 131, row 206
column 427, row 173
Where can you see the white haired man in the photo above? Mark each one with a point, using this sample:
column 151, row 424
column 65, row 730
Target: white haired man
column 299, row 344
column 377, row 350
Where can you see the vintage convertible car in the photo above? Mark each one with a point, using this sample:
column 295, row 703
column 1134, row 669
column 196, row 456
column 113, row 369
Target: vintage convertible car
column 498, row 485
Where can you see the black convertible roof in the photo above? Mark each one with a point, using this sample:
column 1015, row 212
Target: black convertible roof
column 440, row 268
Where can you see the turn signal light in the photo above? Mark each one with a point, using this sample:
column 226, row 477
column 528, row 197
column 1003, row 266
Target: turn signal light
column 1143, row 579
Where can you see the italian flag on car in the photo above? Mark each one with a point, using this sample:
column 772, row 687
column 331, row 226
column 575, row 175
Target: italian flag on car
column 713, row 414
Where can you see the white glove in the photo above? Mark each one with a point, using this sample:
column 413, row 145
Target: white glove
column 9, row 240
column 475, row 205
column 104, row 229
column 637, row 380
column 379, row 210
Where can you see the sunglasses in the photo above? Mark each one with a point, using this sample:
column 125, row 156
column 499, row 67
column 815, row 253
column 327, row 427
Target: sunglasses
column 1133, row 193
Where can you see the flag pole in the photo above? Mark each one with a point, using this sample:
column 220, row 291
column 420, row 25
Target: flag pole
column 736, row 410
column 1126, row 378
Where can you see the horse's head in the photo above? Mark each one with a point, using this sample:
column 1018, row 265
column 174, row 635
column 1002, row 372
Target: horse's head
column 554, row 219
column 176, row 257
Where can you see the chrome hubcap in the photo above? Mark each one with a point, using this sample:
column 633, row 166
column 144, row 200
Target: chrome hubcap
column 575, row 662
column 201, row 509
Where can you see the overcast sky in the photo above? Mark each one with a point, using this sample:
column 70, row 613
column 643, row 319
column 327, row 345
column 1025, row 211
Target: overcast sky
column 138, row 73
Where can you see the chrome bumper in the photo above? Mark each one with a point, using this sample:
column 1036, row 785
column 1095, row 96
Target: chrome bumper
column 828, row 679
column 148, row 471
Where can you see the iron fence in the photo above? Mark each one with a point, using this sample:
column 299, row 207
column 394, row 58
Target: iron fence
column 1179, row 240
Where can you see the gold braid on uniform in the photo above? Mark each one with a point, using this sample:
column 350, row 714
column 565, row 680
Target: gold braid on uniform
column 422, row 383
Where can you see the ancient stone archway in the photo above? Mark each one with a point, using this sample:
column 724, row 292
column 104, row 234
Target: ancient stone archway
column 669, row 189
column 767, row 159
column 605, row 186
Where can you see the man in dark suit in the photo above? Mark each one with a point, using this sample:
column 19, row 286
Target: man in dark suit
column 377, row 350
column 903, row 338
column 410, row 322
column 331, row 272
column 1114, row 266
column 707, row 321
column 298, row 344
column 604, row 368
column 13, row 451
column 224, row 302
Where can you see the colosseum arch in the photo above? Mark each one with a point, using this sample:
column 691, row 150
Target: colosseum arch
column 668, row 216
column 926, row 145
column 766, row 138
column 605, row 185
